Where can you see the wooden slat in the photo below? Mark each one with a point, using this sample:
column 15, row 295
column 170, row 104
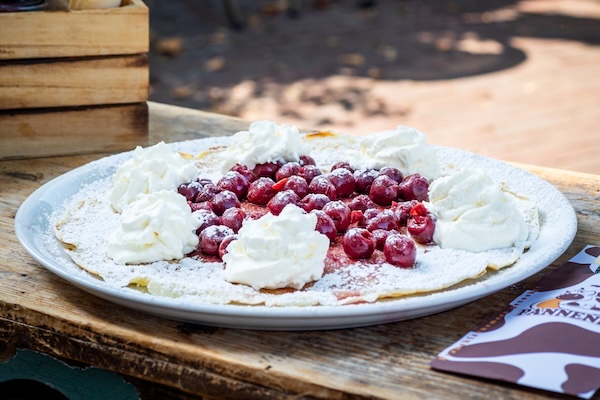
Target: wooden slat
column 41, row 34
column 63, row 131
column 74, row 82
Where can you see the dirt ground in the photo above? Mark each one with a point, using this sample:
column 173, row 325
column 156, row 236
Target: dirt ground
column 516, row 80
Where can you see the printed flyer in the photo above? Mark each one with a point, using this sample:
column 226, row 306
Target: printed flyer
column 548, row 338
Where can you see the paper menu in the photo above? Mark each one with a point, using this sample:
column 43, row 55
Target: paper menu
column 548, row 338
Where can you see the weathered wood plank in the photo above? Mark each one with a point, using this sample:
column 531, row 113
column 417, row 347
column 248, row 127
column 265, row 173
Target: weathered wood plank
column 64, row 82
column 41, row 34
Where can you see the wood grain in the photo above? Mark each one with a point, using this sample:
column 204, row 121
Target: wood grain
column 40, row 311
column 122, row 30
column 76, row 130
column 63, row 82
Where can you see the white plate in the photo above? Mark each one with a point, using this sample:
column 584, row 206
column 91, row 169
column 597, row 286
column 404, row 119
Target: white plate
column 558, row 227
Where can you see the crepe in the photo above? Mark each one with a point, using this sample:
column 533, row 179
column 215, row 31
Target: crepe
column 89, row 220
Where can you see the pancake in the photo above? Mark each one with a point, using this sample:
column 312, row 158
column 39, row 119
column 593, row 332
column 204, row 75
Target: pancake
column 89, row 220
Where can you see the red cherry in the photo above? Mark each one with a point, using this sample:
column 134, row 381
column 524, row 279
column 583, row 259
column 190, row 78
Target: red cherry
column 400, row 250
column 358, row 243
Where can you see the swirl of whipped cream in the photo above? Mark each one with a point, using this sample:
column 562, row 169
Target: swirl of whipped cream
column 149, row 170
column 265, row 141
column 404, row 148
column 473, row 213
column 277, row 251
column 156, row 226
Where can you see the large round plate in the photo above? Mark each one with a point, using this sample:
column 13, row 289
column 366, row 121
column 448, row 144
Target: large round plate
column 33, row 227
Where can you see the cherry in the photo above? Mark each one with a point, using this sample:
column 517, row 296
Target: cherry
column 314, row 201
column 344, row 182
column 380, row 236
column 282, row 199
column 339, row 213
column 268, row 170
column 224, row 200
column 402, row 210
column 361, row 202
column 342, row 164
column 261, row 191
column 384, row 190
column 207, row 192
column 364, row 178
column 287, row 170
column 393, row 173
column 421, row 228
column 211, row 238
column 205, row 205
column 189, row 190
column 384, row 220
column 297, row 184
column 207, row 218
column 245, row 171
column 224, row 243
column 308, row 172
column 320, row 184
column 400, row 251
column 357, row 218
column 233, row 218
column 234, row 182
column 358, row 243
column 325, row 224
column 414, row 187
column 307, row 160
column 370, row 213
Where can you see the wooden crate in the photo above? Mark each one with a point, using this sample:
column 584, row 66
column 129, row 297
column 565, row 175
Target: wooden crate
column 73, row 81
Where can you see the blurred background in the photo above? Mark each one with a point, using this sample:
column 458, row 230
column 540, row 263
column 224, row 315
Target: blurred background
column 515, row 80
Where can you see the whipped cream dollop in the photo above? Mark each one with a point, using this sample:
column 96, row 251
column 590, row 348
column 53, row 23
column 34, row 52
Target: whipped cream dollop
column 265, row 141
column 156, row 226
column 473, row 213
column 277, row 251
column 404, row 148
column 149, row 170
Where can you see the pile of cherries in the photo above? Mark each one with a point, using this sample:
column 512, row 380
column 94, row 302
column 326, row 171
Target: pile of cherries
column 365, row 209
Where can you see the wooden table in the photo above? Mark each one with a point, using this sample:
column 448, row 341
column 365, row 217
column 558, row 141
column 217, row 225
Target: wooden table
column 170, row 359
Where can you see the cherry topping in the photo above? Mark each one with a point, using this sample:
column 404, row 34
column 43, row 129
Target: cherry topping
column 245, row 171
column 205, row 205
column 314, row 201
column 224, row 243
column 268, row 170
column 361, row 202
column 339, row 213
column 384, row 220
column 287, row 170
column 207, row 218
column 207, row 192
column 400, row 251
column 380, row 236
column 393, row 173
column 224, row 200
column 261, row 191
column 307, row 160
column 357, row 217
column 282, row 199
column 344, row 182
column 233, row 218
column 342, row 164
column 320, row 184
column 384, row 190
column 364, row 178
column 297, row 184
column 308, row 172
column 414, row 187
column 234, row 182
column 325, row 224
column 421, row 228
column 358, row 243
column 189, row 190
column 402, row 210
column 211, row 238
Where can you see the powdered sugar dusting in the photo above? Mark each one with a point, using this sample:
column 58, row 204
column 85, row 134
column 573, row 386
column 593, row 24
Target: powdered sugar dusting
column 90, row 219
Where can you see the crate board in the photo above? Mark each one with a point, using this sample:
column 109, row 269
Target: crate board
column 65, row 33
column 67, row 131
column 67, row 82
